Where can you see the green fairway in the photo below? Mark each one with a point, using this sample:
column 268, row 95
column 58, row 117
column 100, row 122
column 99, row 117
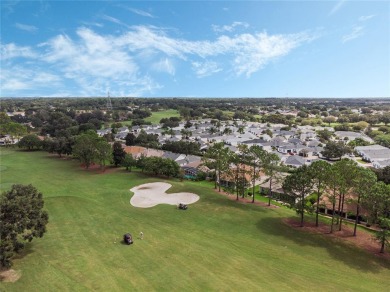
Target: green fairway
column 217, row 244
column 157, row 116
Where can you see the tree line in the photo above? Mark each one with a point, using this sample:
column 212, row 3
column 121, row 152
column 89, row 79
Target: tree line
column 321, row 185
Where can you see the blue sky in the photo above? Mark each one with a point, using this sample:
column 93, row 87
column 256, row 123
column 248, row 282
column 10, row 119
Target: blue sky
column 195, row 48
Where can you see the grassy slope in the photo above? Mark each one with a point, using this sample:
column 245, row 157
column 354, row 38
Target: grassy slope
column 215, row 245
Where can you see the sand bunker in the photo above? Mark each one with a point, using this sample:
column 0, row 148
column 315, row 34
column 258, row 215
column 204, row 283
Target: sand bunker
column 152, row 194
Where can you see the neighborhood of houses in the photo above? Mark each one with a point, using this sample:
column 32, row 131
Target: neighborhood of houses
column 295, row 146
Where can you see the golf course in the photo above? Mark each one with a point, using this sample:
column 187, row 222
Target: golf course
column 217, row 244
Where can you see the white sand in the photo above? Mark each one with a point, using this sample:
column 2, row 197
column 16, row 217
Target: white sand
column 152, row 194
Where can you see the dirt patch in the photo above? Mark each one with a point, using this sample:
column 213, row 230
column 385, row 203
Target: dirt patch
column 10, row 275
column 363, row 239
column 245, row 200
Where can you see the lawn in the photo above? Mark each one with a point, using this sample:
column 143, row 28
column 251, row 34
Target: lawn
column 157, row 116
column 217, row 244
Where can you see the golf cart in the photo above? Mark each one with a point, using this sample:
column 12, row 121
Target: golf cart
column 127, row 238
column 182, row 206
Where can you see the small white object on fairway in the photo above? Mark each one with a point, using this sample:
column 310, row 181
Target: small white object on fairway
column 152, row 194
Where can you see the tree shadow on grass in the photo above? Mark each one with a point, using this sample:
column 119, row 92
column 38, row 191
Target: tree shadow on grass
column 28, row 249
column 354, row 257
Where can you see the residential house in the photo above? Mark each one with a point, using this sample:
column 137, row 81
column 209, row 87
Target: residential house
column 373, row 153
column 381, row 163
column 103, row 132
column 350, row 136
column 295, row 161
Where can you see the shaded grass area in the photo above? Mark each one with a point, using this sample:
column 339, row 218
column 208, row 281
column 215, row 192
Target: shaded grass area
column 217, row 244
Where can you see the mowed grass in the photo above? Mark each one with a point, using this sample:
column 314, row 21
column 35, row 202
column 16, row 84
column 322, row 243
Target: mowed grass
column 157, row 116
column 217, row 244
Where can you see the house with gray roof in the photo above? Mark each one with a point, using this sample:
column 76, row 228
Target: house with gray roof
column 103, row 132
column 342, row 135
column 173, row 156
column 360, row 149
column 295, row 161
column 375, row 155
column 381, row 163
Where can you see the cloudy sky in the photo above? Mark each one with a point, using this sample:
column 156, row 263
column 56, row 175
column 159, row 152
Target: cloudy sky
column 195, row 48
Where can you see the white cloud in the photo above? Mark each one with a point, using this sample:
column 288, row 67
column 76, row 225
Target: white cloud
column 26, row 79
column 97, row 24
column 25, row 27
column 10, row 51
column 249, row 52
column 229, row 28
column 140, row 12
column 357, row 31
column 366, row 17
column 337, row 7
column 92, row 62
column 114, row 20
column 164, row 65
column 203, row 69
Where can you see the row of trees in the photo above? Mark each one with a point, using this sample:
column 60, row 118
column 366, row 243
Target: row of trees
column 338, row 184
column 90, row 148
column 319, row 186
column 243, row 168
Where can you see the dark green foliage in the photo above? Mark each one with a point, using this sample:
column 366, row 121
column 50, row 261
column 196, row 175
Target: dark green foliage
column 141, row 113
column 334, row 150
column 103, row 152
column 129, row 162
column 383, row 235
column 324, row 135
column 383, row 174
column 171, row 122
column 320, row 171
column 59, row 145
column 21, row 219
column 358, row 142
column 85, row 148
column 184, row 147
column 55, row 122
column 130, row 139
column 363, row 184
column 161, row 166
column 383, row 140
column 217, row 158
column 30, row 142
column 342, row 127
column 299, row 185
column 118, row 153
column 147, row 140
